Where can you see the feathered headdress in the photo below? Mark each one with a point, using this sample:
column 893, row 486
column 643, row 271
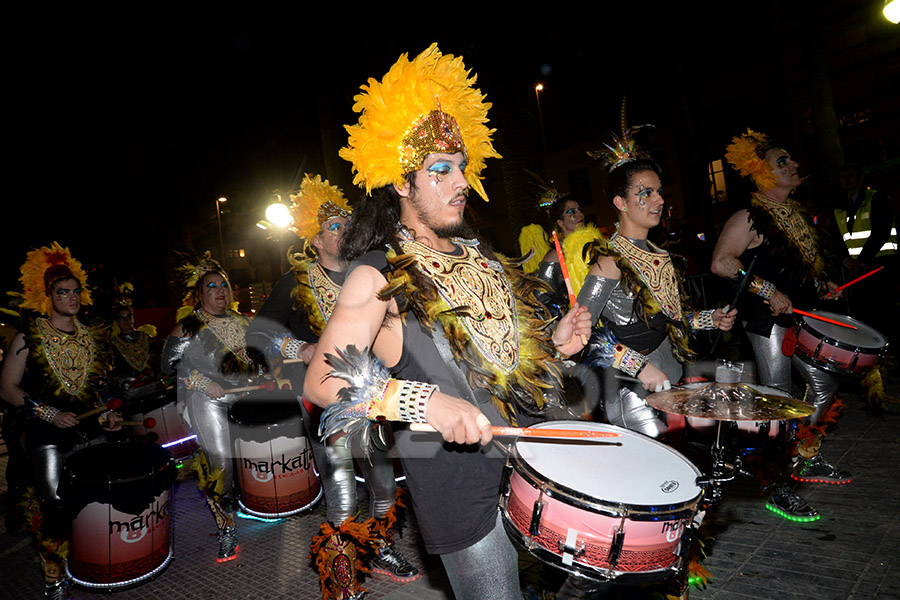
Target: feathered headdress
column 122, row 295
column 316, row 202
column 191, row 272
column 549, row 195
column 42, row 267
column 743, row 155
column 623, row 149
column 420, row 107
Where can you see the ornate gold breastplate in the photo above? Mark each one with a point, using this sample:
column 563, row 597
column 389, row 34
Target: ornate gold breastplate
column 135, row 353
column 229, row 330
column 324, row 290
column 471, row 282
column 789, row 220
column 656, row 271
column 70, row 356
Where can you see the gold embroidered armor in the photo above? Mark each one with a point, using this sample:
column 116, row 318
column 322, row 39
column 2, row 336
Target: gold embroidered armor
column 229, row 331
column 656, row 271
column 324, row 290
column 70, row 357
column 479, row 286
column 136, row 352
column 789, row 219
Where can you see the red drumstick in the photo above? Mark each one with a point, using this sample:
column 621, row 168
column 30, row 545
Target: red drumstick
column 532, row 432
column 148, row 423
column 269, row 386
column 826, row 319
column 860, row 278
column 111, row 404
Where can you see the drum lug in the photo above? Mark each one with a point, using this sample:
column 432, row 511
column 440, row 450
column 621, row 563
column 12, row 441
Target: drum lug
column 504, row 481
column 569, row 548
column 855, row 360
column 534, row 528
column 615, row 550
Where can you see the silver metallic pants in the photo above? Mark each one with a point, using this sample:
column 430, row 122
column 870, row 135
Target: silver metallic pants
column 335, row 463
column 486, row 569
column 774, row 369
column 208, row 417
column 624, row 404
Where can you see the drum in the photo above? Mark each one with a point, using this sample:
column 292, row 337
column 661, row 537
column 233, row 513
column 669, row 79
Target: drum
column 119, row 494
column 169, row 430
column 839, row 349
column 617, row 510
column 274, row 466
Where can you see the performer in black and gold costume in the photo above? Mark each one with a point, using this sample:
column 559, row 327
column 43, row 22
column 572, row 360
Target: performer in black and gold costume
column 287, row 327
column 208, row 350
column 458, row 328
column 135, row 365
column 789, row 271
column 56, row 369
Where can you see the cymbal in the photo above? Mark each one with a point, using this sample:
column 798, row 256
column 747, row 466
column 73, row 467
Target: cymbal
column 730, row 402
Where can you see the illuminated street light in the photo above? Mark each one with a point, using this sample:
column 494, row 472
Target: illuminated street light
column 537, row 94
column 279, row 215
column 892, row 10
column 219, row 220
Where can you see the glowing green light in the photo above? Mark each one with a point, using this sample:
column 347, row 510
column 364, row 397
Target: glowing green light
column 793, row 518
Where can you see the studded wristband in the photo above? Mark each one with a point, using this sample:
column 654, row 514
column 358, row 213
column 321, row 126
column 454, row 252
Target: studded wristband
column 198, row 382
column 703, row 319
column 401, row 400
column 45, row 412
column 627, row 360
column 290, row 348
column 762, row 288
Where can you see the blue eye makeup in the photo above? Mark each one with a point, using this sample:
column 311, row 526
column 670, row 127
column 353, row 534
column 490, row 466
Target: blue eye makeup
column 782, row 160
column 334, row 227
column 212, row 285
column 441, row 168
column 571, row 211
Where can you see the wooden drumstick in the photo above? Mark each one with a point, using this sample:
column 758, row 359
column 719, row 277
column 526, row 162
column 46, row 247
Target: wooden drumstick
column 539, row 432
column 269, row 386
column 111, row 404
column 148, row 423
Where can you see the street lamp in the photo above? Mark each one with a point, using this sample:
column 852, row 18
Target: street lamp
column 892, row 10
column 537, row 94
column 219, row 219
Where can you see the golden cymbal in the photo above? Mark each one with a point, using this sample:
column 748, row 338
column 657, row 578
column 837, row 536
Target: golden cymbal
column 730, row 402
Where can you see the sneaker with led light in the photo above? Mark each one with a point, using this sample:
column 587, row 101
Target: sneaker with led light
column 819, row 470
column 785, row 502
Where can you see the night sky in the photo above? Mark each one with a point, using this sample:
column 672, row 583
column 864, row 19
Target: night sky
column 121, row 133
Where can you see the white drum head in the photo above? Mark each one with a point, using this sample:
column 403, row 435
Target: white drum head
column 861, row 337
column 641, row 471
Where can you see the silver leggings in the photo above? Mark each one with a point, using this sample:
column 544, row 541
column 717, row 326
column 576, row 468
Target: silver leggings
column 486, row 569
column 774, row 370
column 335, row 463
column 208, row 417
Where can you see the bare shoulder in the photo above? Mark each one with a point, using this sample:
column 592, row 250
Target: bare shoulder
column 606, row 267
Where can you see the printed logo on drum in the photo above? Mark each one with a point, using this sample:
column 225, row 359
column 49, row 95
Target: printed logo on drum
column 264, row 470
column 672, row 530
column 669, row 486
column 134, row 530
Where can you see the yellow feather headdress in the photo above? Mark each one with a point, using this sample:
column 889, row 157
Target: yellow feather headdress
column 420, row 107
column 316, row 202
column 37, row 262
column 191, row 271
column 743, row 155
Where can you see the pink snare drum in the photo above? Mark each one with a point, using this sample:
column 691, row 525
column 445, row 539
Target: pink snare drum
column 121, row 533
column 608, row 512
column 274, row 465
column 839, row 349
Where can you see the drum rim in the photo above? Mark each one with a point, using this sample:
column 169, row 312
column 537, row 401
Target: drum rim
column 808, row 322
column 552, row 558
column 636, row 512
column 829, row 366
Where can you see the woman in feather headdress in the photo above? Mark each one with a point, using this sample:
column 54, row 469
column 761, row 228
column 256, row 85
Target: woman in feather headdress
column 635, row 290
column 209, row 353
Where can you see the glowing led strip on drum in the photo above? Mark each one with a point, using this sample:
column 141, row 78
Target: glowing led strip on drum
column 118, row 584
column 181, row 441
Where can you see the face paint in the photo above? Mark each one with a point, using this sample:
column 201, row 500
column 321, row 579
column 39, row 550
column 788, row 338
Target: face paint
column 441, row 169
column 212, row 285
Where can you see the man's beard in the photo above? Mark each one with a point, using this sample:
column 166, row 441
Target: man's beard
column 458, row 230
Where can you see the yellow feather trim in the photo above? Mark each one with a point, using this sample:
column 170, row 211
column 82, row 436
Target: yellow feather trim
column 573, row 249
column 533, row 238
column 411, row 90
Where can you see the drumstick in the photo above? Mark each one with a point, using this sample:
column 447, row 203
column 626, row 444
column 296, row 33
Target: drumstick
column 269, row 385
column 742, row 287
column 531, row 432
column 826, row 319
column 861, row 277
column 565, row 273
column 148, row 423
column 111, row 404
